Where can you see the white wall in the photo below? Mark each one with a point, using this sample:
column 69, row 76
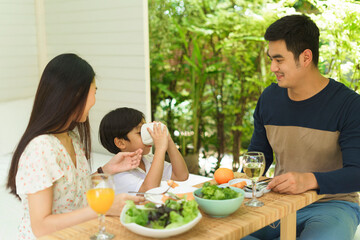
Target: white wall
column 18, row 50
column 112, row 36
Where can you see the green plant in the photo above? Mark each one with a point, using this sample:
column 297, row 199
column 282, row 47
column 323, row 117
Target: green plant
column 209, row 63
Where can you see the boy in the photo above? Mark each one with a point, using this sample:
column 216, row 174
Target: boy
column 120, row 131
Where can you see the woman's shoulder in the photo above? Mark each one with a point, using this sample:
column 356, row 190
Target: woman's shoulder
column 43, row 137
column 42, row 140
column 38, row 165
column 43, row 144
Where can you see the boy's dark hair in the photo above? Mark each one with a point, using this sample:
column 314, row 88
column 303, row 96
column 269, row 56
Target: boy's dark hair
column 299, row 33
column 117, row 124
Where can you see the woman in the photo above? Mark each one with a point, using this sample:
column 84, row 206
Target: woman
column 50, row 164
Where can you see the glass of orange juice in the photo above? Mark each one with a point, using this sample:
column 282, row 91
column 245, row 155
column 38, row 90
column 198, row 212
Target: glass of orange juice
column 100, row 197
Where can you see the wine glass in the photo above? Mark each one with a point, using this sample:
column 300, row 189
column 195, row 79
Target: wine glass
column 100, row 197
column 254, row 166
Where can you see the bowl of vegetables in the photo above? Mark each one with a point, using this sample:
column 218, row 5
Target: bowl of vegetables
column 166, row 220
column 219, row 201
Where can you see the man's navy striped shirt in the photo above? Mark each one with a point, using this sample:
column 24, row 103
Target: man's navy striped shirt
column 320, row 135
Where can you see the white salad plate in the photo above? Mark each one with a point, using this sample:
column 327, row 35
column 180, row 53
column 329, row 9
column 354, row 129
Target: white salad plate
column 248, row 193
column 157, row 198
column 157, row 233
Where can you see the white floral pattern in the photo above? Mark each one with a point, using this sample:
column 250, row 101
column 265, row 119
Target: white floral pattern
column 45, row 163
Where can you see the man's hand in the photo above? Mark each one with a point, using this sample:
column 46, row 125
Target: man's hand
column 122, row 162
column 293, row 183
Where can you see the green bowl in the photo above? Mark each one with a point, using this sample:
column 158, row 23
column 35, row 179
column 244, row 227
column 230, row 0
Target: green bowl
column 219, row 208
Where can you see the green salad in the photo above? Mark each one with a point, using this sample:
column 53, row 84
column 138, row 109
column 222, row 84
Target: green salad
column 172, row 214
column 214, row 192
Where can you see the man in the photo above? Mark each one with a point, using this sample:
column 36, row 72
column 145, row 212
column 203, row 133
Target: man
column 312, row 124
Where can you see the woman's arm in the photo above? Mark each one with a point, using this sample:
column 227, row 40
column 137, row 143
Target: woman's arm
column 180, row 171
column 43, row 222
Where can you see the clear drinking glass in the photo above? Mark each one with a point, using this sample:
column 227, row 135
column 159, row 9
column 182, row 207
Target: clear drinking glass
column 100, row 197
column 254, row 166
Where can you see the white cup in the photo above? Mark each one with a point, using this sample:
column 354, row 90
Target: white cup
column 145, row 135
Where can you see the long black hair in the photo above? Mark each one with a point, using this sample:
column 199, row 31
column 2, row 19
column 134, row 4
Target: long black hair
column 59, row 101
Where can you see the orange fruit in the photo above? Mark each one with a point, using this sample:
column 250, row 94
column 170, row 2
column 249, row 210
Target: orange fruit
column 223, row 175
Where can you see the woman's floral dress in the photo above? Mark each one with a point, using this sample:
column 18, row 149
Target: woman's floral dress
column 45, row 163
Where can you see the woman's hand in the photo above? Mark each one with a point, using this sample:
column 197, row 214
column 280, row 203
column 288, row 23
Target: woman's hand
column 120, row 201
column 122, row 162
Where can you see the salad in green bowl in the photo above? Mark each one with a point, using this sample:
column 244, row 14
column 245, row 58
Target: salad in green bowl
column 219, row 201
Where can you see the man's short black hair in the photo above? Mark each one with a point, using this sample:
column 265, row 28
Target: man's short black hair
column 117, row 124
column 299, row 33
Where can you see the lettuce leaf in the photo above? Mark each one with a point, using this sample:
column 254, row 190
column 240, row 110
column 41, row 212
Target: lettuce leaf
column 135, row 215
column 190, row 210
column 217, row 193
column 176, row 220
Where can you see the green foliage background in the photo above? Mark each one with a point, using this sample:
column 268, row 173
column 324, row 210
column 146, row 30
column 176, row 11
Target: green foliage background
column 209, row 65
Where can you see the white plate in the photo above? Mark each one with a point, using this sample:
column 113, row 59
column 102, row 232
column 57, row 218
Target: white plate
column 157, row 198
column 248, row 193
column 157, row 233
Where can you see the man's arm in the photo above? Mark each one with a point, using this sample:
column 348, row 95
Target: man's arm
column 346, row 179
column 259, row 141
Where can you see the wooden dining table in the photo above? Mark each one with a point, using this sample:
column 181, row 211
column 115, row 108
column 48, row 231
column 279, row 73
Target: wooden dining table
column 243, row 222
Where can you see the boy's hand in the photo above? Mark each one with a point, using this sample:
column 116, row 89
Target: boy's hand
column 123, row 161
column 159, row 136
